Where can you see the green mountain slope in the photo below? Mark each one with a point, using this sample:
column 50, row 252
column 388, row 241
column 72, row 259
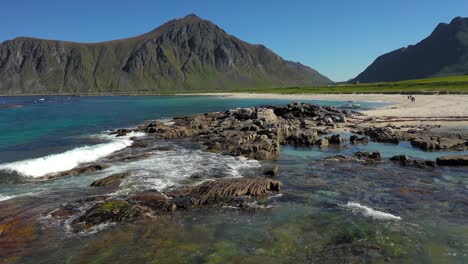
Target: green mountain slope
column 187, row 54
column 443, row 53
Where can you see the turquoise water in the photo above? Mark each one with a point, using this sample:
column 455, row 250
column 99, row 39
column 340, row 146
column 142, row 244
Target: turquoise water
column 52, row 124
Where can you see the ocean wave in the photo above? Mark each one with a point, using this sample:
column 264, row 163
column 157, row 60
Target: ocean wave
column 357, row 208
column 69, row 159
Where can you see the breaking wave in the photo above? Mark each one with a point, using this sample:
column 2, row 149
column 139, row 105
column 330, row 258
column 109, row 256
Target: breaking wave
column 69, row 159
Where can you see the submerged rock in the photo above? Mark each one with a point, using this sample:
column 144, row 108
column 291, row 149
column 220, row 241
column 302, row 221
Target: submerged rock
column 271, row 171
column 118, row 211
column 114, row 179
column 79, row 170
column 368, row 157
column 404, row 160
column 461, row 160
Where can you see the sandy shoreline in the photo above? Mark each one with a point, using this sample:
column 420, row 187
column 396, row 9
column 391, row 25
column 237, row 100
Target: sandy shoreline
column 446, row 110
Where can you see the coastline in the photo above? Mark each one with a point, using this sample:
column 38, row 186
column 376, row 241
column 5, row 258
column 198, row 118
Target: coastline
column 444, row 110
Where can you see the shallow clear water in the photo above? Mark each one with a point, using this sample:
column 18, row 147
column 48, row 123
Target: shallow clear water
column 328, row 212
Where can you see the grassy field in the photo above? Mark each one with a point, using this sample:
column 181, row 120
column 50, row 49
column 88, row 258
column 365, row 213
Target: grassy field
column 453, row 84
column 442, row 85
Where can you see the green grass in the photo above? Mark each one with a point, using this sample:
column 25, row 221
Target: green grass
column 452, row 84
column 440, row 85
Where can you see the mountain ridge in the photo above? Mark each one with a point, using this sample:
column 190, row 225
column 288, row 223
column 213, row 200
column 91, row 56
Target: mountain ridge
column 184, row 54
column 443, row 53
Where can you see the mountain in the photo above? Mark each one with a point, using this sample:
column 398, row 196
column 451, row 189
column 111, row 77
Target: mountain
column 443, row 53
column 187, row 54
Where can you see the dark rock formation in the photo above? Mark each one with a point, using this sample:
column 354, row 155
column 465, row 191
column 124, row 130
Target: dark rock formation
column 88, row 168
column 382, row 134
column 272, row 171
column 354, row 139
column 453, row 160
column 112, row 180
column 368, row 157
column 430, row 143
column 336, row 139
column 404, row 160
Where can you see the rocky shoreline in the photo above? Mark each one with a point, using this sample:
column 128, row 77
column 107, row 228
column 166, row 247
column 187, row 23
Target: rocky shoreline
column 254, row 133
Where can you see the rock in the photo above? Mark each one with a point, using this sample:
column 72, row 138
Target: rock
column 382, row 134
column 322, row 143
column 404, row 160
column 227, row 191
column 120, row 132
column 431, row 143
column 266, row 115
column 461, row 160
column 155, row 200
column 368, row 157
column 239, row 192
column 425, row 144
column 336, row 139
column 354, row 139
column 271, row 171
column 115, row 179
column 250, row 132
column 80, row 170
column 302, row 138
column 119, row 211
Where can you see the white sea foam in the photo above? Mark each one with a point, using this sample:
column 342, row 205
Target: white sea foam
column 69, row 159
column 172, row 168
column 357, row 208
column 5, row 197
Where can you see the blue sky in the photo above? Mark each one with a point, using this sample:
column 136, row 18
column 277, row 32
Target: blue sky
column 337, row 37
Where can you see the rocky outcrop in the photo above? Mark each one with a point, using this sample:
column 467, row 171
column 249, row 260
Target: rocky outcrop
column 255, row 133
column 431, row 143
column 404, row 160
column 238, row 192
column 382, row 134
column 461, row 160
column 422, row 138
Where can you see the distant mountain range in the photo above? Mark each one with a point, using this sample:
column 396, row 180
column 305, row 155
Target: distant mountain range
column 187, row 54
column 443, row 53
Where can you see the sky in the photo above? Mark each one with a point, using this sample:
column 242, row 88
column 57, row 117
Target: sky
column 339, row 38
